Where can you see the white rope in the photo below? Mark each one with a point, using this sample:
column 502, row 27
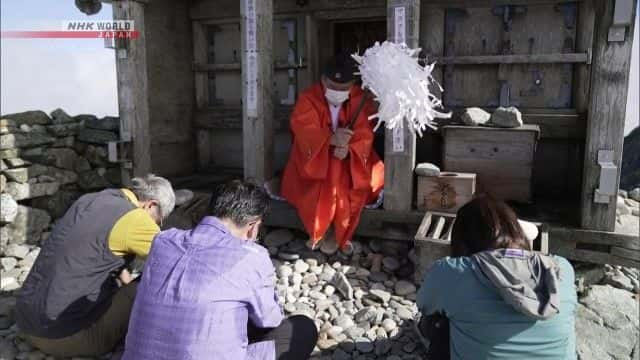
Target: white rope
column 400, row 85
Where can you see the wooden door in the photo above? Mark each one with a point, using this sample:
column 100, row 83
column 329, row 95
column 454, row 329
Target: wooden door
column 495, row 34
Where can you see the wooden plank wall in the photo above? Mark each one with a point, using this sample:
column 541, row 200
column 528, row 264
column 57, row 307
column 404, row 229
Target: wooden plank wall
column 171, row 96
column 606, row 117
column 133, row 91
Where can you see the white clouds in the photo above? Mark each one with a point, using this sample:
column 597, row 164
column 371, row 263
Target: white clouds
column 42, row 74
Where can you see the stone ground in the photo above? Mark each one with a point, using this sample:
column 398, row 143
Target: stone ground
column 363, row 303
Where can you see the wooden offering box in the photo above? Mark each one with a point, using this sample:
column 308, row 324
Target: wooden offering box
column 433, row 240
column 501, row 158
column 446, row 192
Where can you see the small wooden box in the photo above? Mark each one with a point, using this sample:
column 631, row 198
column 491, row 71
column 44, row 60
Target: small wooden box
column 446, row 192
column 433, row 240
column 501, row 158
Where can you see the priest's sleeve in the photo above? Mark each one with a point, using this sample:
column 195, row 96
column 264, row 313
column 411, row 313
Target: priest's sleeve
column 310, row 141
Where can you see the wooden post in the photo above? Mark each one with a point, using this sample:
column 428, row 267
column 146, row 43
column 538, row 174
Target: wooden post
column 200, row 57
column 606, row 117
column 133, row 100
column 257, row 84
column 403, row 24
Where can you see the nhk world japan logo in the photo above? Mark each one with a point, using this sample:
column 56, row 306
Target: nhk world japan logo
column 74, row 29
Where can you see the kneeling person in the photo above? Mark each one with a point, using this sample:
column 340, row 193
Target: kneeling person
column 71, row 303
column 208, row 293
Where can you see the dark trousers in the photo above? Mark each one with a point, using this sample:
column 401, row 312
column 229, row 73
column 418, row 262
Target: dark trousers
column 295, row 338
column 99, row 338
column 435, row 328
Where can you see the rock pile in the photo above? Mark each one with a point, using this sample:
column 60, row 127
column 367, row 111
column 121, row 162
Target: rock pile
column 362, row 303
column 46, row 162
column 627, row 212
column 607, row 318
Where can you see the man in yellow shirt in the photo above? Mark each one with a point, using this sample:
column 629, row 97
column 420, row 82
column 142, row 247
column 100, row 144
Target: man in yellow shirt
column 78, row 296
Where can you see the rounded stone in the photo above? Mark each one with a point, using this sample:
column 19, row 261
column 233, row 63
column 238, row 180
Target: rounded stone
column 284, row 271
column 345, row 322
column 278, row 237
column 403, row 288
column 364, row 345
column 288, row 256
column 317, row 295
column 329, row 290
column 355, row 332
column 334, row 331
column 389, row 325
column 296, row 279
column 404, row 313
column 390, row 263
column 300, row 266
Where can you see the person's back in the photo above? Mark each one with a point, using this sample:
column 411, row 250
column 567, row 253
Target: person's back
column 194, row 285
column 205, row 292
column 502, row 300
column 483, row 326
column 77, row 297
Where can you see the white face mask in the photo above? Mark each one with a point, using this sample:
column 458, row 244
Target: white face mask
column 336, row 97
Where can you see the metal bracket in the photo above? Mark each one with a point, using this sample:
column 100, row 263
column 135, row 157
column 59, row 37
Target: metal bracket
column 608, row 177
column 508, row 12
column 622, row 17
column 118, row 152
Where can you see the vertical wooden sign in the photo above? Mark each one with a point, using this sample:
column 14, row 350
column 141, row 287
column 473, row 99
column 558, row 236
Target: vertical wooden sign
column 252, row 58
column 257, row 77
column 403, row 19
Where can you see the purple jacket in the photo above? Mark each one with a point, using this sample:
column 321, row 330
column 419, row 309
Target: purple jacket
column 198, row 291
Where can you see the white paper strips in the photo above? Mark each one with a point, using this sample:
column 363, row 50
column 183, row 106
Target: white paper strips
column 401, row 86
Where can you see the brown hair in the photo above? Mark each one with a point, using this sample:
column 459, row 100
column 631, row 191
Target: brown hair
column 486, row 224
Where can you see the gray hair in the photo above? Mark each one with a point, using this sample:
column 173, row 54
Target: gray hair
column 152, row 187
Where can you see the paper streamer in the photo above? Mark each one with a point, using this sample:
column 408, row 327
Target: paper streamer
column 401, row 86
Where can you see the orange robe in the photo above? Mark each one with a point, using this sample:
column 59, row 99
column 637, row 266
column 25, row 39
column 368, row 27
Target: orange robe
column 321, row 187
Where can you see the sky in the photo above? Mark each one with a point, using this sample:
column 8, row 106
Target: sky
column 79, row 75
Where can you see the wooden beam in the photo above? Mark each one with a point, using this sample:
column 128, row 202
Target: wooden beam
column 257, row 82
column 582, row 236
column 400, row 143
column 584, row 43
column 515, row 59
column 133, row 93
column 311, row 48
column 350, row 14
column 373, row 222
column 200, row 57
column 606, row 116
column 200, row 67
column 595, row 246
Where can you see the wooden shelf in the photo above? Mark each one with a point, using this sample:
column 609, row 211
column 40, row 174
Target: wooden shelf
column 198, row 67
column 579, row 58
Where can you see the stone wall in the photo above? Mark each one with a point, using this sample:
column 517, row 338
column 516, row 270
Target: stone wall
column 47, row 162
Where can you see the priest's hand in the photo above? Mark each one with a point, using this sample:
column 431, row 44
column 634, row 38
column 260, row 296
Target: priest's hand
column 341, row 152
column 341, row 137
